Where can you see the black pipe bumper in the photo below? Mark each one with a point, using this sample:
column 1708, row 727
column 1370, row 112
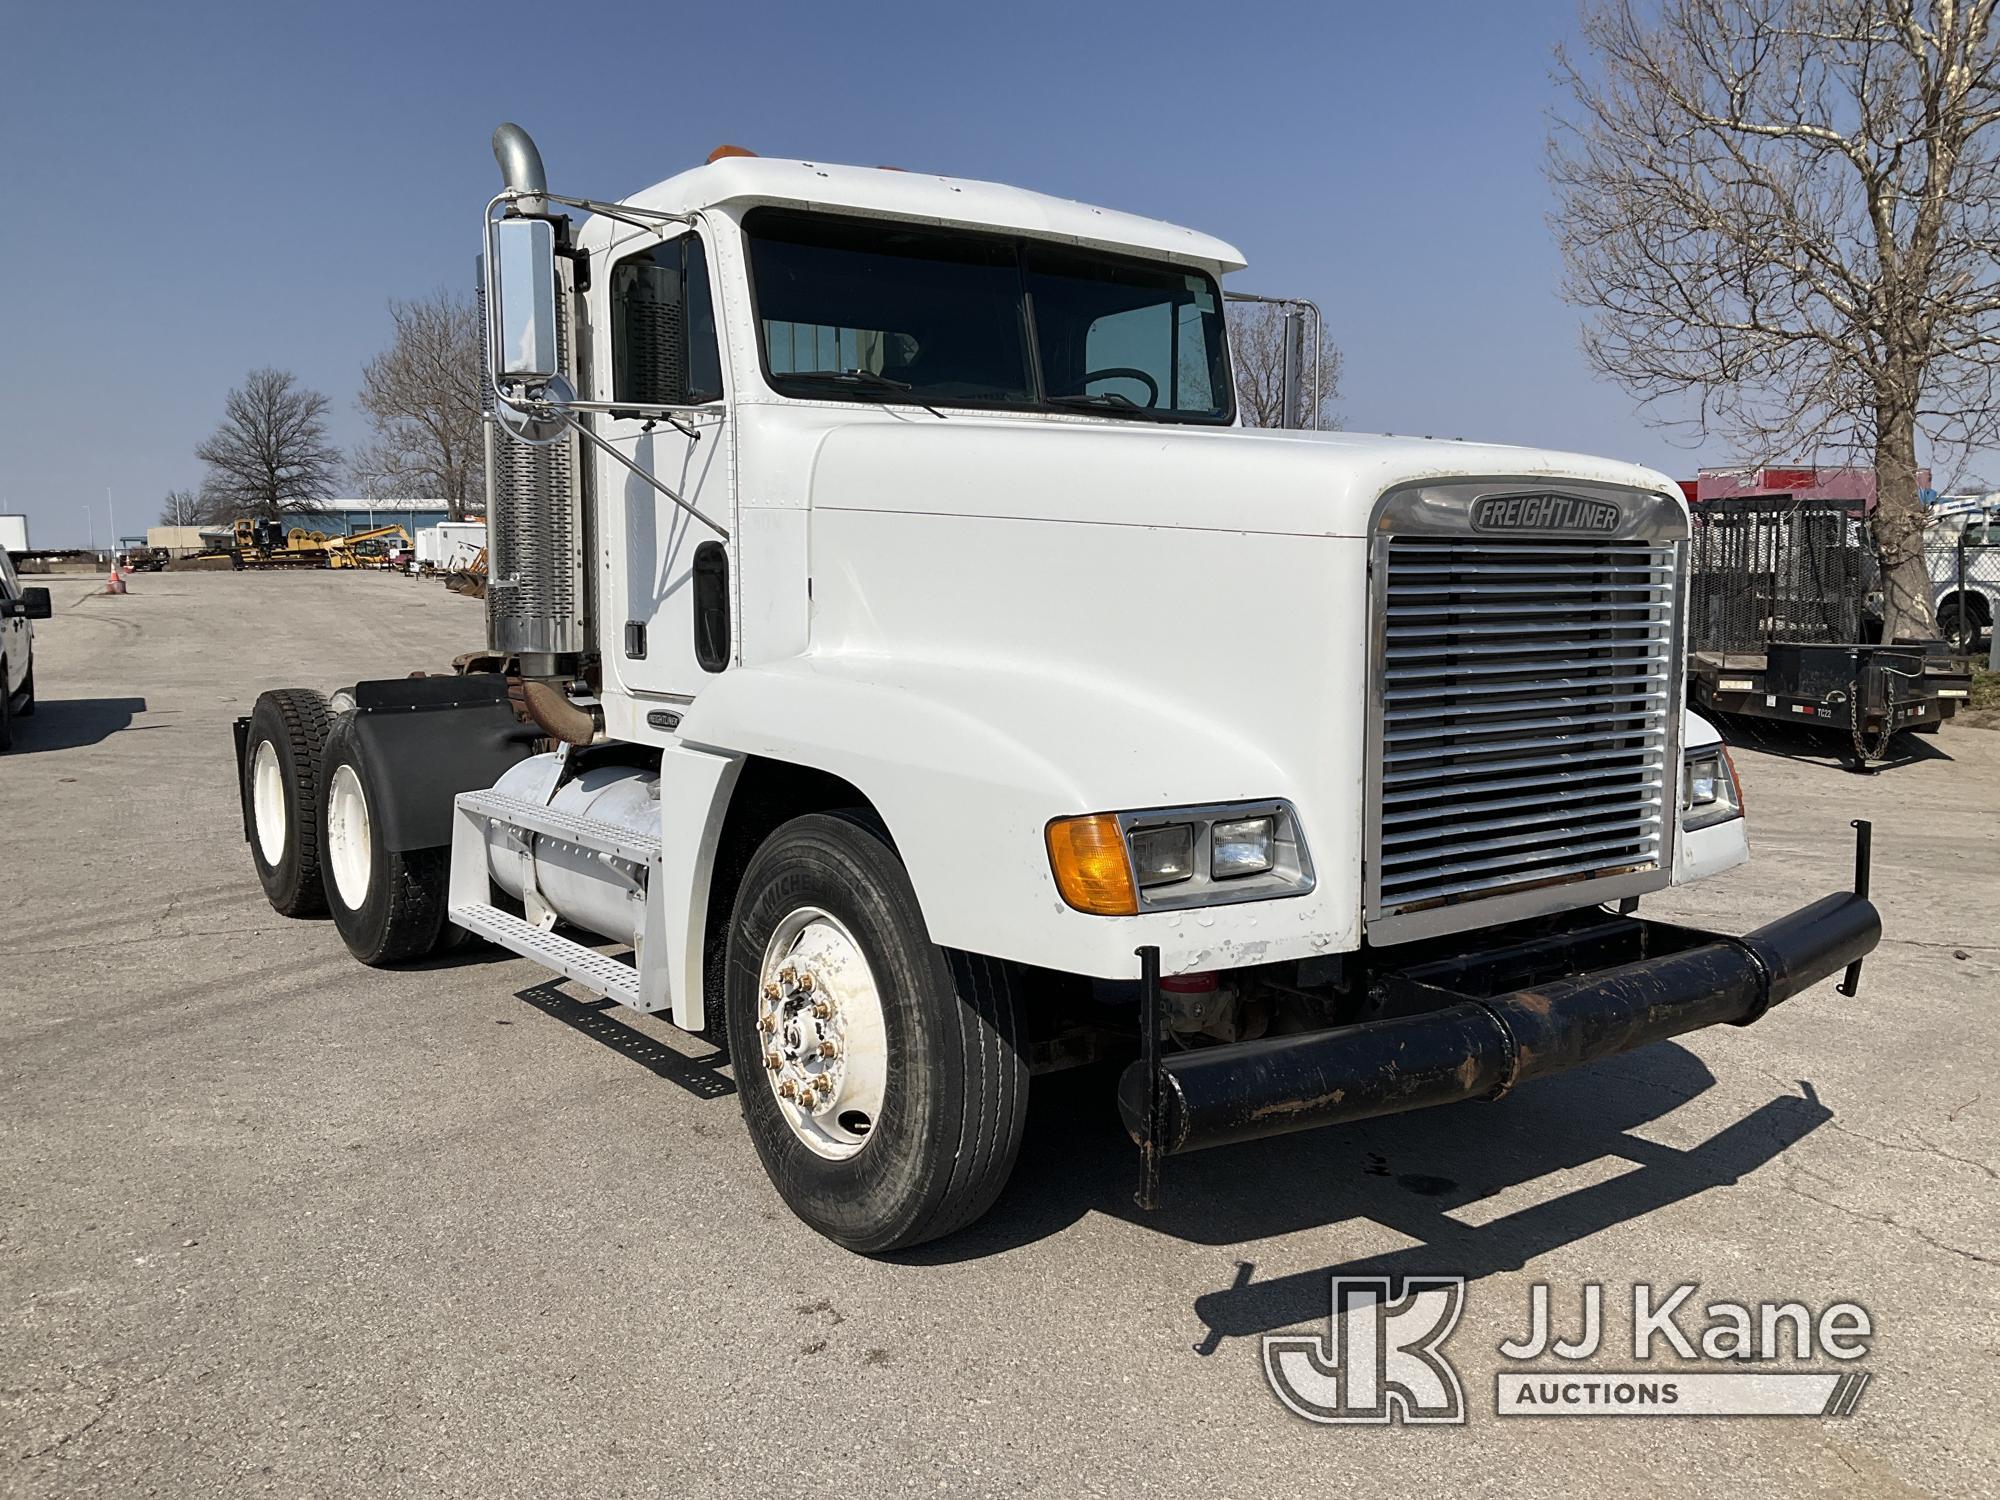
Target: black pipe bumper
column 1480, row 1047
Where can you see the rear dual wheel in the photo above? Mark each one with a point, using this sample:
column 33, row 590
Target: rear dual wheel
column 311, row 800
column 388, row 904
column 281, row 767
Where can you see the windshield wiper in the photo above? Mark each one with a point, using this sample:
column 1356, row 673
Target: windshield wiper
column 1125, row 406
column 862, row 380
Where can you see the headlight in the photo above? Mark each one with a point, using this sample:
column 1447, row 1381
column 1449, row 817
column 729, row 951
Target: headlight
column 1709, row 794
column 1162, row 856
column 1246, row 846
column 1117, row 864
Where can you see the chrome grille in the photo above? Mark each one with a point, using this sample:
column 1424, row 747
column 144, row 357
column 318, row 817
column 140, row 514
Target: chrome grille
column 1528, row 715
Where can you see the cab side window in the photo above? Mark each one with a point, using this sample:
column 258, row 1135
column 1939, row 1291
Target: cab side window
column 664, row 350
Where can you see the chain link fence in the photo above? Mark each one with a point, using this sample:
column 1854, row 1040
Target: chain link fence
column 1965, row 585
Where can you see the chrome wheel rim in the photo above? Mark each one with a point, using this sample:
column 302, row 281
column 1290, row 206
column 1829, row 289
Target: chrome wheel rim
column 822, row 1042
column 350, row 837
column 267, row 803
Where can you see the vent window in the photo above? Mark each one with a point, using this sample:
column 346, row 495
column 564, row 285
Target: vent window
column 664, row 350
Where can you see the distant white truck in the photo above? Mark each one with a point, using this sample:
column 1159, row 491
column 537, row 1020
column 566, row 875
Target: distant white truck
column 905, row 667
column 13, row 534
column 1962, row 547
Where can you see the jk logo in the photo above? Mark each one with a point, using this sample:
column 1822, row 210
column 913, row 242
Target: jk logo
column 1380, row 1359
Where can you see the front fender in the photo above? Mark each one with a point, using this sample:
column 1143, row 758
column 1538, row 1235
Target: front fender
column 967, row 763
column 1702, row 852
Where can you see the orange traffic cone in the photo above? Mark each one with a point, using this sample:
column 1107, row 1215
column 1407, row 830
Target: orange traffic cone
column 115, row 584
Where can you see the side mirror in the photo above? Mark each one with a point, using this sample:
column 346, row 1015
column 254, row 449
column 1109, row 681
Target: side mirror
column 522, row 288
column 35, row 604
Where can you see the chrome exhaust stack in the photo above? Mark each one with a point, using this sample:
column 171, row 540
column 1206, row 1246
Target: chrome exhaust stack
column 521, row 168
column 538, row 589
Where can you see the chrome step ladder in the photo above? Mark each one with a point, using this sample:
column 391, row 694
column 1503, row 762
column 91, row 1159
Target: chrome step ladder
column 471, row 893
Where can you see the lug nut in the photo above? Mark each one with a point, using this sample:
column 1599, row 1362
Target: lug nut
column 774, row 1059
column 806, row 982
column 772, row 992
column 767, row 1024
column 787, row 1089
column 822, row 1009
column 829, row 1048
column 788, row 975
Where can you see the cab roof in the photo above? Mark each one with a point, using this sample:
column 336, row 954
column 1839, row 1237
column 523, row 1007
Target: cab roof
column 921, row 196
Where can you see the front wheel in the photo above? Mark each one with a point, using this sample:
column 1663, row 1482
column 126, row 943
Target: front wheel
column 1959, row 626
column 389, row 904
column 881, row 1077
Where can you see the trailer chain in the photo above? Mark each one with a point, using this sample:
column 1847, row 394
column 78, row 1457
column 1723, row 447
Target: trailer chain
column 1891, row 723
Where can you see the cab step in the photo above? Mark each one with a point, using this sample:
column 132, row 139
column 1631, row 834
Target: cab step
column 609, row 839
column 606, row 976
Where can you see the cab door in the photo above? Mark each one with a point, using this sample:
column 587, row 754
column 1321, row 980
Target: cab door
column 665, row 574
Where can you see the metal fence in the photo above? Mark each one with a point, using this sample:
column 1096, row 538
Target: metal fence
column 1769, row 571
column 1965, row 584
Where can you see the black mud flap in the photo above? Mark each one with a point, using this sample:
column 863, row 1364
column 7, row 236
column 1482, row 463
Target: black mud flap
column 432, row 738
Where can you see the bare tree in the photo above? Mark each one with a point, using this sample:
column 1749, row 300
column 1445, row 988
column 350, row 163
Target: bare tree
column 421, row 397
column 1787, row 213
column 181, row 508
column 270, row 457
column 1257, row 342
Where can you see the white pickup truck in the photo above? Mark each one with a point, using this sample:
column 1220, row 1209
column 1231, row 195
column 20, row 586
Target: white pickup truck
column 905, row 668
column 1962, row 549
column 19, row 609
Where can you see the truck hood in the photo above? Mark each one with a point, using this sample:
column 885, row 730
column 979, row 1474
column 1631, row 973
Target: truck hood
column 1135, row 474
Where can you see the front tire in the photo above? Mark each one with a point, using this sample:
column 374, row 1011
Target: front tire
column 26, row 710
column 6, row 713
column 918, row 1123
column 281, row 762
column 1959, row 626
column 388, row 904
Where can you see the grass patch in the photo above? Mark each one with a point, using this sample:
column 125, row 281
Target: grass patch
column 1985, row 688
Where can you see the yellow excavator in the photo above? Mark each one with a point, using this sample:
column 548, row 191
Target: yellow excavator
column 252, row 543
column 365, row 549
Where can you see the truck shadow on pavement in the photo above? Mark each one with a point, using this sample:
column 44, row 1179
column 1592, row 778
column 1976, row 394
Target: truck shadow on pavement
column 1824, row 747
column 72, row 723
column 598, row 1020
column 1426, row 1176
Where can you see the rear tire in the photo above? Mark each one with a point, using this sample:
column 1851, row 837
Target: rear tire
column 281, row 763
column 948, row 1084
column 388, row 904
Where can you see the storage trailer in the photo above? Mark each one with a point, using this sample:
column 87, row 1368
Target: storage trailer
column 1783, row 625
column 903, row 668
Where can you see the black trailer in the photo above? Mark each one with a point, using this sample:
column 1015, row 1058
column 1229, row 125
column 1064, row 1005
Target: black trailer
column 1783, row 625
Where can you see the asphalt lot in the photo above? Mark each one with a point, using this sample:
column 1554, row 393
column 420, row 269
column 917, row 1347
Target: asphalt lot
column 275, row 1223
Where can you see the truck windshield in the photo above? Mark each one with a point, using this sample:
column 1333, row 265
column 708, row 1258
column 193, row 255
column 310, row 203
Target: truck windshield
column 853, row 309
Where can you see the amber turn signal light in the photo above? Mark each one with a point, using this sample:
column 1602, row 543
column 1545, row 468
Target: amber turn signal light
column 1091, row 867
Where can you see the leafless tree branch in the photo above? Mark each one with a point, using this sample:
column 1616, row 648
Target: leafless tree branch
column 1784, row 219
column 421, row 398
column 270, row 457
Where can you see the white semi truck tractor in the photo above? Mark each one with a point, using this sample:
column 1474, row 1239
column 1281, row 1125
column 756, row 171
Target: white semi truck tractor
column 904, row 667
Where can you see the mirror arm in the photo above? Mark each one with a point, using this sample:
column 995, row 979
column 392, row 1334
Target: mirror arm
column 716, row 526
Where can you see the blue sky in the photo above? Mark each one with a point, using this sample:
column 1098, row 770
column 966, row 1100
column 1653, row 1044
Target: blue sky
column 199, row 189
